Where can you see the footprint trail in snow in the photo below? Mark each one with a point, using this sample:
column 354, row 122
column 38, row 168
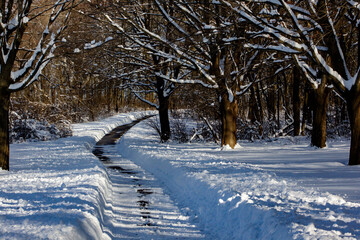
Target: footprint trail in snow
column 137, row 207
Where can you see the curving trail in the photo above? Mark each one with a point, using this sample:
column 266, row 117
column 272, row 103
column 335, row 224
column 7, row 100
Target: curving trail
column 137, row 207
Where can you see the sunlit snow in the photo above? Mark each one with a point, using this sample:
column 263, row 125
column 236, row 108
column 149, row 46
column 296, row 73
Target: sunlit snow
column 264, row 190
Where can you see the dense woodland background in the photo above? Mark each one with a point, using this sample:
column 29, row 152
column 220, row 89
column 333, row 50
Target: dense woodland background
column 205, row 60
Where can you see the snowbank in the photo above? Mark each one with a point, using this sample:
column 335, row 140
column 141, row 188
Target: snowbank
column 260, row 191
column 58, row 189
column 278, row 190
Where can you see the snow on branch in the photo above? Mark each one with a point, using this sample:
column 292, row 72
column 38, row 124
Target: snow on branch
column 179, row 28
column 278, row 48
column 244, row 88
column 144, row 100
column 180, row 56
column 31, row 69
column 342, row 81
column 354, row 4
column 34, row 65
column 309, row 72
column 187, row 81
column 279, row 3
column 339, row 49
column 94, row 44
column 305, row 44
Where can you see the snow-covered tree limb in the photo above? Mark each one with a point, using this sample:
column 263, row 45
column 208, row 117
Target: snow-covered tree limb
column 13, row 30
column 306, row 43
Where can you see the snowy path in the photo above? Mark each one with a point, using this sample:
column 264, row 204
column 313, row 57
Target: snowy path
column 59, row 189
column 137, row 207
column 278, row 190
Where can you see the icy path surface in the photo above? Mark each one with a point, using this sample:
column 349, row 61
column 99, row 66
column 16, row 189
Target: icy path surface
column 137, row 208
column 278, row 190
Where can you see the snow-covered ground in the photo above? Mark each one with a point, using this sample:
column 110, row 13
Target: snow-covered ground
column 269, row 190
column 279, row 190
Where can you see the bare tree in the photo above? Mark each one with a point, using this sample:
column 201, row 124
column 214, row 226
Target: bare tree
column 205, row 47
column 21, row 61
column 314, row 32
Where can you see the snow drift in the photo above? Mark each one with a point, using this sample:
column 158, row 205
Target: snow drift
column 58, row 189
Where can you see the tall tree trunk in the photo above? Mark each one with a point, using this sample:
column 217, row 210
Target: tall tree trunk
column 285, row 93
column 259, row 104
column 228, row 111
column 296, row 101
column 320, row 105
column 252, row 106
column 278, row 103
column 260, row 111
column 4, row 129
column 271, row 102
column 116, row 100
column 164, row 118
column 305, row 112
column 163, row 110
column 353, row 104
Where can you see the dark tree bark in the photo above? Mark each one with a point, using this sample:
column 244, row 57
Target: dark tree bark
column 353, row 104
column 320, row 105
column 305, row 112
column 117, row 100
column 164, row 118
column 4, row 129
column 296, row 101
column 259, row 105
column 278, row 102
column 163, row 110
column 252, row 115
column 228, row 111
column 260, row 110
column 271, row 102
column 285, row 95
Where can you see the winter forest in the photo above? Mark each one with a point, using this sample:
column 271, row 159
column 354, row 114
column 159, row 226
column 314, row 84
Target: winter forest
column 251, row 108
